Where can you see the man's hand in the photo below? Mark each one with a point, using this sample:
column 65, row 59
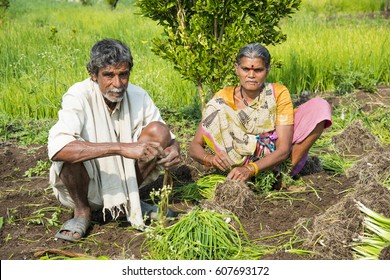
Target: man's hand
column 78, row 151
column 142, row 151
column 171, row 156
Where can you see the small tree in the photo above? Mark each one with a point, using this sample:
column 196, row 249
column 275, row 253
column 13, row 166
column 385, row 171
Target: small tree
column 112, row 3
column 202, row 37
column 4, row 5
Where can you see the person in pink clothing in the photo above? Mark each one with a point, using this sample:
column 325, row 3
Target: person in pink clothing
column 253, row 127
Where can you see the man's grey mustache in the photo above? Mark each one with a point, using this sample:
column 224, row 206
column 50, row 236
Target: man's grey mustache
column 116, row 90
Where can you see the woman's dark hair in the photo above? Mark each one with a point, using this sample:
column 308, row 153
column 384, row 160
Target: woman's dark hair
column 108, row 52
column 254, row 50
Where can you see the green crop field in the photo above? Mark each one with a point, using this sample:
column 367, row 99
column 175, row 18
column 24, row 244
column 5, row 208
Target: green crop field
column 45, row 44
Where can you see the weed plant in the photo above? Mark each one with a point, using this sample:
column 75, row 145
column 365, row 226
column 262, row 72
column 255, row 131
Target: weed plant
column 40, row 169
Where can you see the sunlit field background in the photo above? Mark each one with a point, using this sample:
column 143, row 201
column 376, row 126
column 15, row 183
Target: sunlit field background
column 44, row 47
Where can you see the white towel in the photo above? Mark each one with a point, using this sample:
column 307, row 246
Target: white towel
column 118, row 176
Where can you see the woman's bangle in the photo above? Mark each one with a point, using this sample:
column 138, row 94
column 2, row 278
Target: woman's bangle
column 255, row 166
column 251, row 170
column 205, row 161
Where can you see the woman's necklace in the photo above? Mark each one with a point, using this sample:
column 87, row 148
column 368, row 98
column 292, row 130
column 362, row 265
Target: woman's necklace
column 258, row 96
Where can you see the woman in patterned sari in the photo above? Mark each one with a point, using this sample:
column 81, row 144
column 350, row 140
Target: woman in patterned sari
column 253, row 127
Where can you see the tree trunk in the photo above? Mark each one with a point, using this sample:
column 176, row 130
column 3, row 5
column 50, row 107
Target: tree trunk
column 202, row 96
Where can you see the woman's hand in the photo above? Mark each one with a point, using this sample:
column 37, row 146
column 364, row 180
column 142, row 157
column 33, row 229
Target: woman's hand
column 221, row 161
column 240, row 173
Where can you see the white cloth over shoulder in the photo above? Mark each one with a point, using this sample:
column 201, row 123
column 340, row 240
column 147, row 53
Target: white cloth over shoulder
column 84, row 116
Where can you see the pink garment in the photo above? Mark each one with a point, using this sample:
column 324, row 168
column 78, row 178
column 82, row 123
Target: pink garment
column 306, row 117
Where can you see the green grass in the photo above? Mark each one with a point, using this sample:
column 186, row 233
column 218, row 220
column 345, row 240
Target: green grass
column 42, row 167
column 45, row 45
column 44, row 51
column 319, row 50
column 334, row 6
column 24, row 131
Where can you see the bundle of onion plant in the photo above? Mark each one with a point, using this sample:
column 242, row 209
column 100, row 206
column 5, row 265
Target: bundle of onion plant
column 203, row 188
column 336, row 163
column 200, row 235
column 376, row 234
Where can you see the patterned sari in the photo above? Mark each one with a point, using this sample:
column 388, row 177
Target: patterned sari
column 245, row 135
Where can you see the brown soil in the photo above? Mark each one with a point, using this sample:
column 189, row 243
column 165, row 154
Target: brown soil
column 324, row 215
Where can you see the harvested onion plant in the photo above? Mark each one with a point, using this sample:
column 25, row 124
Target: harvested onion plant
column 203, row 188
column 336, row 163
column 207, row 184
column 201, row 235
column 263, row 183
column 376, row 235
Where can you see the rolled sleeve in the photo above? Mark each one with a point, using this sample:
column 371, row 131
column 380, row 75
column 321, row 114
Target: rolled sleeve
column 68, row 127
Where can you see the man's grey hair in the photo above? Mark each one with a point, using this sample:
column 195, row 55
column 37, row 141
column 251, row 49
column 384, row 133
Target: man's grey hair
column 108, row 52
column 254, row 50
